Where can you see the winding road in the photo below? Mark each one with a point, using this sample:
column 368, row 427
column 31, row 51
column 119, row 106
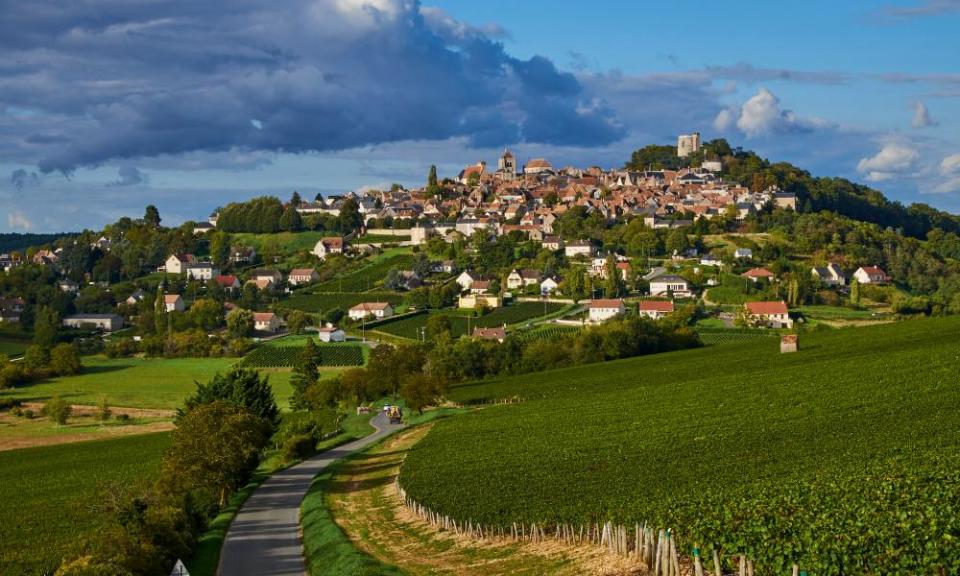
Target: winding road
column 264, row 538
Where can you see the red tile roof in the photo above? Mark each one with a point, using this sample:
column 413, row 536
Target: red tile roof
column 656, row 306
column 758, row 273
column 766, row 308
column 606, row 303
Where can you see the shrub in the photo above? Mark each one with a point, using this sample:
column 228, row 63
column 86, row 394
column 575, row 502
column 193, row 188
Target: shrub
column 58, row 410
column 29, row 414
column 64, row 360
column 12, row 375
column 36, row 357
column 103, row 410
column 121, row 348
column 298, row 447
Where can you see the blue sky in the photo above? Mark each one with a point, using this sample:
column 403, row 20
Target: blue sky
column 107, row 105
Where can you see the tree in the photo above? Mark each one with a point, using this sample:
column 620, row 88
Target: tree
column 290, row 220
column 432, row 176
column 36, row 357
column 297, row 321
column 103, row 410
column 855, row 292
column 240, row 323
column 354, row 383
column 304, row 374
column 220, row 248
column 295, row 199
column 215, row 448
column 437, row 324
column 46, row 323
column 151, row 216
column 677, row 241
column 350, row 218
column 422, row 390
column 64, row 360
column 613, row 284
column 206, row 314
column 241, row 387
column 393, row 280
column 160, row 314
column 57, row 410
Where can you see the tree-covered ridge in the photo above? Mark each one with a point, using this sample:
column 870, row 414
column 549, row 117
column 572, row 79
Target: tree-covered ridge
column 814, row 193
column 18, row 242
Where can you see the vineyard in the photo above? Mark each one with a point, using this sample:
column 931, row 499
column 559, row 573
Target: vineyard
column 730, row 335
column 367, row 278
column 548, row 332
column 286, row 356
column 323, row 302
column 460, row 321
column 825, row 457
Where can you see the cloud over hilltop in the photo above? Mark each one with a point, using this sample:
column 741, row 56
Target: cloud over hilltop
column 94, row 82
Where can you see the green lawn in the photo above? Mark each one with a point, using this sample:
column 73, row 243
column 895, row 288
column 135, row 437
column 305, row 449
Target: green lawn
column 309, row 302
column 841, row 457
column 48, row 494
column 286, row 242
column 839, row 313
column 13, row 347
column 128, row 382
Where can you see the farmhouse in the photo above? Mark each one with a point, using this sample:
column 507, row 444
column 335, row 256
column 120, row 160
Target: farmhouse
column 743, row 254
column 176, row 263
column 10, row 310
column 329, row 245
column 300, row 276
column 378, row 310
column 498, row 334
column 601, row 310
column 549, row 285
column 105, row 322
column 266, row 322
column 655, row 309
column 173, row 303
column 475, row 300
column 670, row 284
column 202, row 271
column 553, row 243
column 578, row 248
column 203, row 228
column 757, row 274
column 522, row 278
column 772, row 314
column 871, row 275
column 331, row 333
column 829, row 275
column 228, row 282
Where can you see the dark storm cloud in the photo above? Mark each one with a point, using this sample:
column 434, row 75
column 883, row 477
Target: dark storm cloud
column 130, row 176
column 146, row 79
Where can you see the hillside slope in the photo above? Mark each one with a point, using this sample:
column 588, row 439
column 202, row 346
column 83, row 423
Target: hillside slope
column 838, row 457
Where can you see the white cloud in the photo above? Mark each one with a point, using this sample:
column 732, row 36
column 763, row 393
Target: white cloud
column 921, row 116
column 761, row 115
column 17, row 221
column 724, row 120
column 892, row 160
column 950, row 170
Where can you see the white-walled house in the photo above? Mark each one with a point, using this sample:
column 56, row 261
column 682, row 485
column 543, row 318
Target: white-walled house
column 655, row 309
column 772, row 314
column 204, row 271
column 378, row 310
column 105, row 322
column 605, row 309
column 743, row 254
column 549, row 285
column 300, row 276
column 466, row 279
column 176, row 263
column 266, row 322
column 670, row 284
column 871, row 275
column 173, row 303
column 330, row 333
column 522, row 278
column 829, row 275
column 329, row 245
column 578, row 248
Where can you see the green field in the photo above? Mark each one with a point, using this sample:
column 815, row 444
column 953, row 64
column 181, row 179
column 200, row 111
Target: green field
column 370, row 276
column 128, row 382
column 287, row 356
column 286, row 242
column 460, row 319
column 345, row 300
column 841, row 457
column 13, row 347
column 48, row 495
column 381, row 239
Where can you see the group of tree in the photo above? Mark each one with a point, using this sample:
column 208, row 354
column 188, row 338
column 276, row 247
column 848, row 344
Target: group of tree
column 218, row 442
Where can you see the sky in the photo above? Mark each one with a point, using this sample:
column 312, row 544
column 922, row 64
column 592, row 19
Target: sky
column 109, row 105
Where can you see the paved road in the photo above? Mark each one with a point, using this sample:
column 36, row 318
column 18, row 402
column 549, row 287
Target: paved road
column 264, row 538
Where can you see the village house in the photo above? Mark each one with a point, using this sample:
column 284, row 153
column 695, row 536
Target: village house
column 655, row 309
column 299, row 276
column 670, row 284
column 176, row 263
column 10, row 310
column 473, row 301
column 378, row 310
column 267, row 322
column 173, row 303
column 466, row 279
column 228, row 281
column 757, row 274
column 242, row 254
column 830, row 275
column 270, row 274
column 549, row 285
column 329, row 245
column 105, row 322
column 605, row 309
column 202, row 271
column 330, row 333
column 871, row 275
column 498, row 334
column 553, row 243
column 203, row 228
column 578, row 248
column 136, row 297
column 522, row 278
column 444, row 266
column 711, row 260
column 770, row 314
column 743, row 254
column 69, row 286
